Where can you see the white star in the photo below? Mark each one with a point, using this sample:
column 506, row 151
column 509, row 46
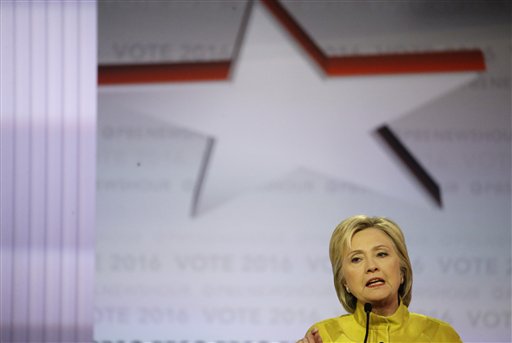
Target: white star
column 279, row 113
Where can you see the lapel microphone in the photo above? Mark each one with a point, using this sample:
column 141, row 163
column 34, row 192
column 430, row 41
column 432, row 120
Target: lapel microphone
column 367, row 309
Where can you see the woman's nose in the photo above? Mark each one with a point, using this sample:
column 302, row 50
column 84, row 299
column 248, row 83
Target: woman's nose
column 371, row 266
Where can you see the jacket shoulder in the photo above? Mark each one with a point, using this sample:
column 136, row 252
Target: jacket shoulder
column 433, row 329
column 339, row 319
column 336, row 329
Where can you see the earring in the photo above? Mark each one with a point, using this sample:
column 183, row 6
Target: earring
column 348, row 290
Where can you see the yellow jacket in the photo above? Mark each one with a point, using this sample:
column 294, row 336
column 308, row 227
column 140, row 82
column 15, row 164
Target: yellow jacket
column 402, row 326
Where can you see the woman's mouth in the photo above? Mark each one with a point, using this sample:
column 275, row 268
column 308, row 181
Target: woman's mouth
column 375, row 282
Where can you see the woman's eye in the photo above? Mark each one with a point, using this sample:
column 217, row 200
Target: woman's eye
column 355, row 259
column 382, row 254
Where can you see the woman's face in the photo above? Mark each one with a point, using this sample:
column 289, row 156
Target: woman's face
column 372, row 269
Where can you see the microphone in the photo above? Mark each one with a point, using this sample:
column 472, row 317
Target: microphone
column 367, row 309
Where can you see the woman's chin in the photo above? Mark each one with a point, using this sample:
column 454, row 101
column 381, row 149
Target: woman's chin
column 378, row 295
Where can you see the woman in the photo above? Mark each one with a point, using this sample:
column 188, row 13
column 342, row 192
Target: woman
column 371, row 266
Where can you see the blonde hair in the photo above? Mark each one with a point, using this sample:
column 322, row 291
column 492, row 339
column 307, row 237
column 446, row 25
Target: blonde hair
column 341, row 239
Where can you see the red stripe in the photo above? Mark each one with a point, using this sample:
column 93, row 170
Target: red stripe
column 397, row 63
column 176, row 72
column 445, row 61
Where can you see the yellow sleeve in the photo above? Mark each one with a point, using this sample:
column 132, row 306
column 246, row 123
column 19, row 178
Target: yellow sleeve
column 446, row 334
column 326, row 338
column 330, row 330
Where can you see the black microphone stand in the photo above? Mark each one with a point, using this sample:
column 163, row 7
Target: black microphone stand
column 367, row 309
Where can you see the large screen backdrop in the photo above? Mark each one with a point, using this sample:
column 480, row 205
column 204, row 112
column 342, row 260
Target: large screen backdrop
column 216, row 200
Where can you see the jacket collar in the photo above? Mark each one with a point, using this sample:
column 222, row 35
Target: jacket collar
column 394, row 322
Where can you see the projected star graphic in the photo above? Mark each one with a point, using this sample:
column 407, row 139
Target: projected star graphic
column 278, row 113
